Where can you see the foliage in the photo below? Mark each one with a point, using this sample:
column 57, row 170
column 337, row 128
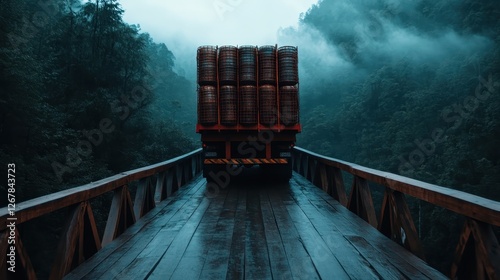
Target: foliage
column 79, row 102
column 389, row 119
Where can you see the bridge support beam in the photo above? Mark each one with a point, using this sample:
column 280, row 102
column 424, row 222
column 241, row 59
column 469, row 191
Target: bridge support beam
column 144, row 198
column 23, row 266
column 121, row 215
column 478, row 254
column 361, row 202
column 397, row 223
column 79, row 242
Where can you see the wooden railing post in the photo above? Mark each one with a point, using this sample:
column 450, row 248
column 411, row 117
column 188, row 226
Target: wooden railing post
column 305, row 166
column 121, row 215
column 361, row 202
column 397, row 223
column 324, row 182
column 79, row 241
column 338, row 187
column 478, row 254
column 178, row 176
column 161, row 190
column 23, row 267
column 187, row 171
column 144, row 198
column 80, row 238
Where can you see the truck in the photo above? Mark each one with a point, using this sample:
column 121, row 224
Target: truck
column 248, row 108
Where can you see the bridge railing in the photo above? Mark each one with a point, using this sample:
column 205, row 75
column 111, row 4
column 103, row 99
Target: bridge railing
column 80, row 239
column 477, row 255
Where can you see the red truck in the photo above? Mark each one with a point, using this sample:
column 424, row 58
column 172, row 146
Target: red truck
column 248, row 108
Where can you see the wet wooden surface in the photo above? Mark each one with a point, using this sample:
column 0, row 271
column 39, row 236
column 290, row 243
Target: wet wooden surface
column 253, row 229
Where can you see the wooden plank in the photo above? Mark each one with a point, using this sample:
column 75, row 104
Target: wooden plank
column 334, row 250
column 165, row 209
column 219, row 249
column 280, row 268
column 324, row 261
column 256, row 256
column 469, row 205
column 150, row 244
column 40, row 206
column 236, row 264
column 300, row 261
column 380, row 263
column 350, row 224
column 173, row 254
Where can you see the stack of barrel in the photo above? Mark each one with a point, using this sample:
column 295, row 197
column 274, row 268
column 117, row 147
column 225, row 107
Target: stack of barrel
column 247, row 56
column 232, row 80
column 207, row 85
column 288, row 82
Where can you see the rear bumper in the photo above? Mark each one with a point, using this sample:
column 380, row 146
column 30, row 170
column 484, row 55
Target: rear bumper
column 247, row 161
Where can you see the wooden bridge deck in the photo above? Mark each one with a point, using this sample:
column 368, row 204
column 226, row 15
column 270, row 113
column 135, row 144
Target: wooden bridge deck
column 253, row 230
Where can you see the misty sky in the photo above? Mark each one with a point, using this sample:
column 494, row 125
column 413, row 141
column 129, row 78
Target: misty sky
column 185, row 25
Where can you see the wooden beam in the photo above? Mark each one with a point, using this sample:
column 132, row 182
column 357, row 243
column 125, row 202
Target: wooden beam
column 324, row 182
column 144, row 198
column 361, row 202
column 161, row 188
column 121, row 215
column 338, row 188
column 40, row 206
column 478, row 253
column 23, row 267
column 179, row 178
column 79, row 241
column 466, row 204
column 396, row 219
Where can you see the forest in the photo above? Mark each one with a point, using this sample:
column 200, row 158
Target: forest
column 413, row 89
column 409, row 88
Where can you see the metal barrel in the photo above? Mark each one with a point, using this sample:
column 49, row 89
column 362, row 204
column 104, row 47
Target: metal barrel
column 228, row 105
column 289, row 105
column 247, row 56
column 248, row 105
column 268, row 105
column 206, row 59
column 267, row 65
column 288, row 65
column 228, row 65
column 207, row 105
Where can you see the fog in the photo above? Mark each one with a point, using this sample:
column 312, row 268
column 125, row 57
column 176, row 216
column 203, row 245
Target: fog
column 185, row 25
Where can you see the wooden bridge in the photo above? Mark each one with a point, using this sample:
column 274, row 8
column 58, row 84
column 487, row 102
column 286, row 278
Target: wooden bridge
column 254, row 228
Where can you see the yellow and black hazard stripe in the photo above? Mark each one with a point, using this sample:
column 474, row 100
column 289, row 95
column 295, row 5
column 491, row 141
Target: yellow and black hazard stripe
column 246, row 161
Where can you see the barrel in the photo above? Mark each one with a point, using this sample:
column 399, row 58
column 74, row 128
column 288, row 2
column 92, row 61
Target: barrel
column 288, row 65
column 207, row 65
column 228, row 105
column 267, row 65
column 268, row 102
column 247, row 56
column 289, row 105
column 228, row 65
column 207, row 105
column 248, row 105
